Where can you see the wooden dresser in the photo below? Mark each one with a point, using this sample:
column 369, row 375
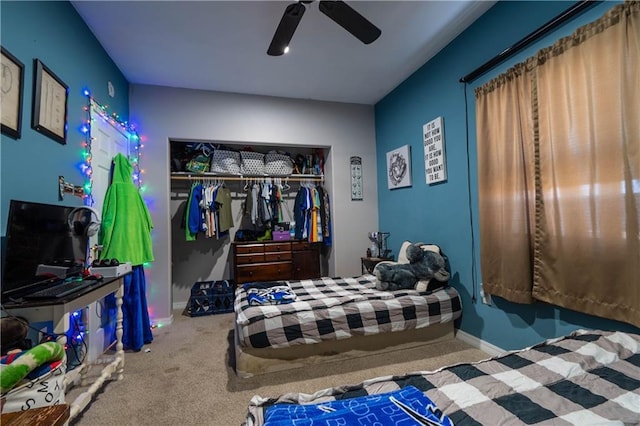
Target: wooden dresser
column 275, row 260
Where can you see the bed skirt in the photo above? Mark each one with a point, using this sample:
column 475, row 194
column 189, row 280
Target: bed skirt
column 254, row 361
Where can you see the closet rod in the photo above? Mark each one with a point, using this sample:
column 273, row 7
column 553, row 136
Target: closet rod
column 553, row 23
column 243, row 178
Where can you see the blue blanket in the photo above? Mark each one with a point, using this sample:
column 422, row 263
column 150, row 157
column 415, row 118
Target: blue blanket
column 404, row 407
column 269, row 293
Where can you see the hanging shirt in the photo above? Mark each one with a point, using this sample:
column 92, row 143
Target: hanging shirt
column 255, row 190
column 326, row 224
column 189, row 236
column 299, row 212
column 223, row 204
column 317, row 207
column 194, row 214
column 209, row 210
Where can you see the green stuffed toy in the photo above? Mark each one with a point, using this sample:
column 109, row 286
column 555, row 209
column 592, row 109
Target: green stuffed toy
column 423, row 266
column 12, row 374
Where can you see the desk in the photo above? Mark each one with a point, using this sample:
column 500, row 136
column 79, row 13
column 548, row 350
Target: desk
column 58, row 310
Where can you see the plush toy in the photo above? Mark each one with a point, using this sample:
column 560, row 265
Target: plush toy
column 21, row 365
column 423, row 266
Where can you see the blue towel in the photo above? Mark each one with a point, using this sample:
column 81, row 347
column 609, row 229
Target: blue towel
column 136, row 325
column 406, row 407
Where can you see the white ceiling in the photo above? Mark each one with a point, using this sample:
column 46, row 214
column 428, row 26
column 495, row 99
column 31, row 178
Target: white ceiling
column 221, row 45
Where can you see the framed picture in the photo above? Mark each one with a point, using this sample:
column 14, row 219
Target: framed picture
column 399, row 167
column 355, row 164
column 12, row 89
column 49, row 115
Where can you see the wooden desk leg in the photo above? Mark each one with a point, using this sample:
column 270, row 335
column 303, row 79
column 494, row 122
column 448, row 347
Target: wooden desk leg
column 119, row 332
column 61, row 324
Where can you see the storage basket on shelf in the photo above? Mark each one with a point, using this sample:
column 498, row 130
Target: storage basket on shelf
column 211, row 297
column 225, row 162
column 278, row 164
column 251, row 163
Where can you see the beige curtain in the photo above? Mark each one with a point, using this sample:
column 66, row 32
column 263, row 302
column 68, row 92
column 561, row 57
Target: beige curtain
column 584, row 230
column 506, row 184
column 587, row 246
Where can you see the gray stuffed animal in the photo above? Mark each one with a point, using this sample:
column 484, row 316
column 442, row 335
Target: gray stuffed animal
column 423, row 265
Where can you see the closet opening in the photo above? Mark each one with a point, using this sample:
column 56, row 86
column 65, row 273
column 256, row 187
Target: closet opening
column 250, row 195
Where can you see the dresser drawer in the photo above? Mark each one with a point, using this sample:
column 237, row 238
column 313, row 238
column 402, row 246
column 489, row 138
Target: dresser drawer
column 264, row 272
column 243, row 259
column 277, row 256
column 268, row 248
column 303, row 245
column 250, row 248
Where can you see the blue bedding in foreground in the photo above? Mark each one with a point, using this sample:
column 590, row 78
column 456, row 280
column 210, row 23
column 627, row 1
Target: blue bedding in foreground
column 404, row 407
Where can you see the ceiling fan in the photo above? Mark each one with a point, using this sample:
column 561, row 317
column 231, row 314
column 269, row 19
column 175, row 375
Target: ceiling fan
column 343, row 14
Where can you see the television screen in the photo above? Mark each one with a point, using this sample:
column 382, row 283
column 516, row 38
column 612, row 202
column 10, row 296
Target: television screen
column 40, row 234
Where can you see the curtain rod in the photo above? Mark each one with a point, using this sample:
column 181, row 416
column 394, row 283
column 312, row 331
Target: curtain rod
column 553, row 23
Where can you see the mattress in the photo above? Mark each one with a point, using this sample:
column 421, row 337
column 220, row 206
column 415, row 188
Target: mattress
column 589, row 377
column 340, row 308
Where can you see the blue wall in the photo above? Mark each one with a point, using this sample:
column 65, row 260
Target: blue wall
column 54, row 33
column 443, row 213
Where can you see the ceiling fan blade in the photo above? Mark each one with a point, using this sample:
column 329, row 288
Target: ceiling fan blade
column 345, row 16
column 287, row 26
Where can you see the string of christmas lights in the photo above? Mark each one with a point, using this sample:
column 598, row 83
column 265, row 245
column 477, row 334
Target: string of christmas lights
column 135, row 144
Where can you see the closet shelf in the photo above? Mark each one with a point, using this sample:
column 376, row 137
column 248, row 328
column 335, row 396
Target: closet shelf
column 195, row 176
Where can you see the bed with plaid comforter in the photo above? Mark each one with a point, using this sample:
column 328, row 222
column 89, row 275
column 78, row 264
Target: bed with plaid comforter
column 339, row 308
column 586, row 378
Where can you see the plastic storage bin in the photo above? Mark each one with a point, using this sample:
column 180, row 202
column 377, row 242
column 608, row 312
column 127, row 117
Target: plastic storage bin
column 211, row 297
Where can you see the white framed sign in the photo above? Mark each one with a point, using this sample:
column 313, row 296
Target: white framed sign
column 435, row 164
column 356, row 177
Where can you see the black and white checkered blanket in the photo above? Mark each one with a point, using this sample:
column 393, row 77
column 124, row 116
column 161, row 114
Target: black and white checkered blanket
column 339, row 308
column 587, row 378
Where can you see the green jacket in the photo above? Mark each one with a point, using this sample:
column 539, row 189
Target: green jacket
column 125, row 233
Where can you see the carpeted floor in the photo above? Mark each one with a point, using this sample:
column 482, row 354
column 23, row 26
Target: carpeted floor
column 186, row 378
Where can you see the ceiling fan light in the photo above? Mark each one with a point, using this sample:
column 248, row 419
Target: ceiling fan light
column 286, row 49
column 287, row 26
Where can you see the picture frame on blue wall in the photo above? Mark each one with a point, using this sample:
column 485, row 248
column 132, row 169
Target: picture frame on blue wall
column 12, row 92
column 399, row 167
column 50, row 96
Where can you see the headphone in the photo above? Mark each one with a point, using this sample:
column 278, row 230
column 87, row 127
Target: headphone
column 81, row 227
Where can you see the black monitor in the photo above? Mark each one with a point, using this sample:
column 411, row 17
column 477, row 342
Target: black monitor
column 39, row 234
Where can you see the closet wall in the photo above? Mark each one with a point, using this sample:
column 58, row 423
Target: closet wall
column 164, row 114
